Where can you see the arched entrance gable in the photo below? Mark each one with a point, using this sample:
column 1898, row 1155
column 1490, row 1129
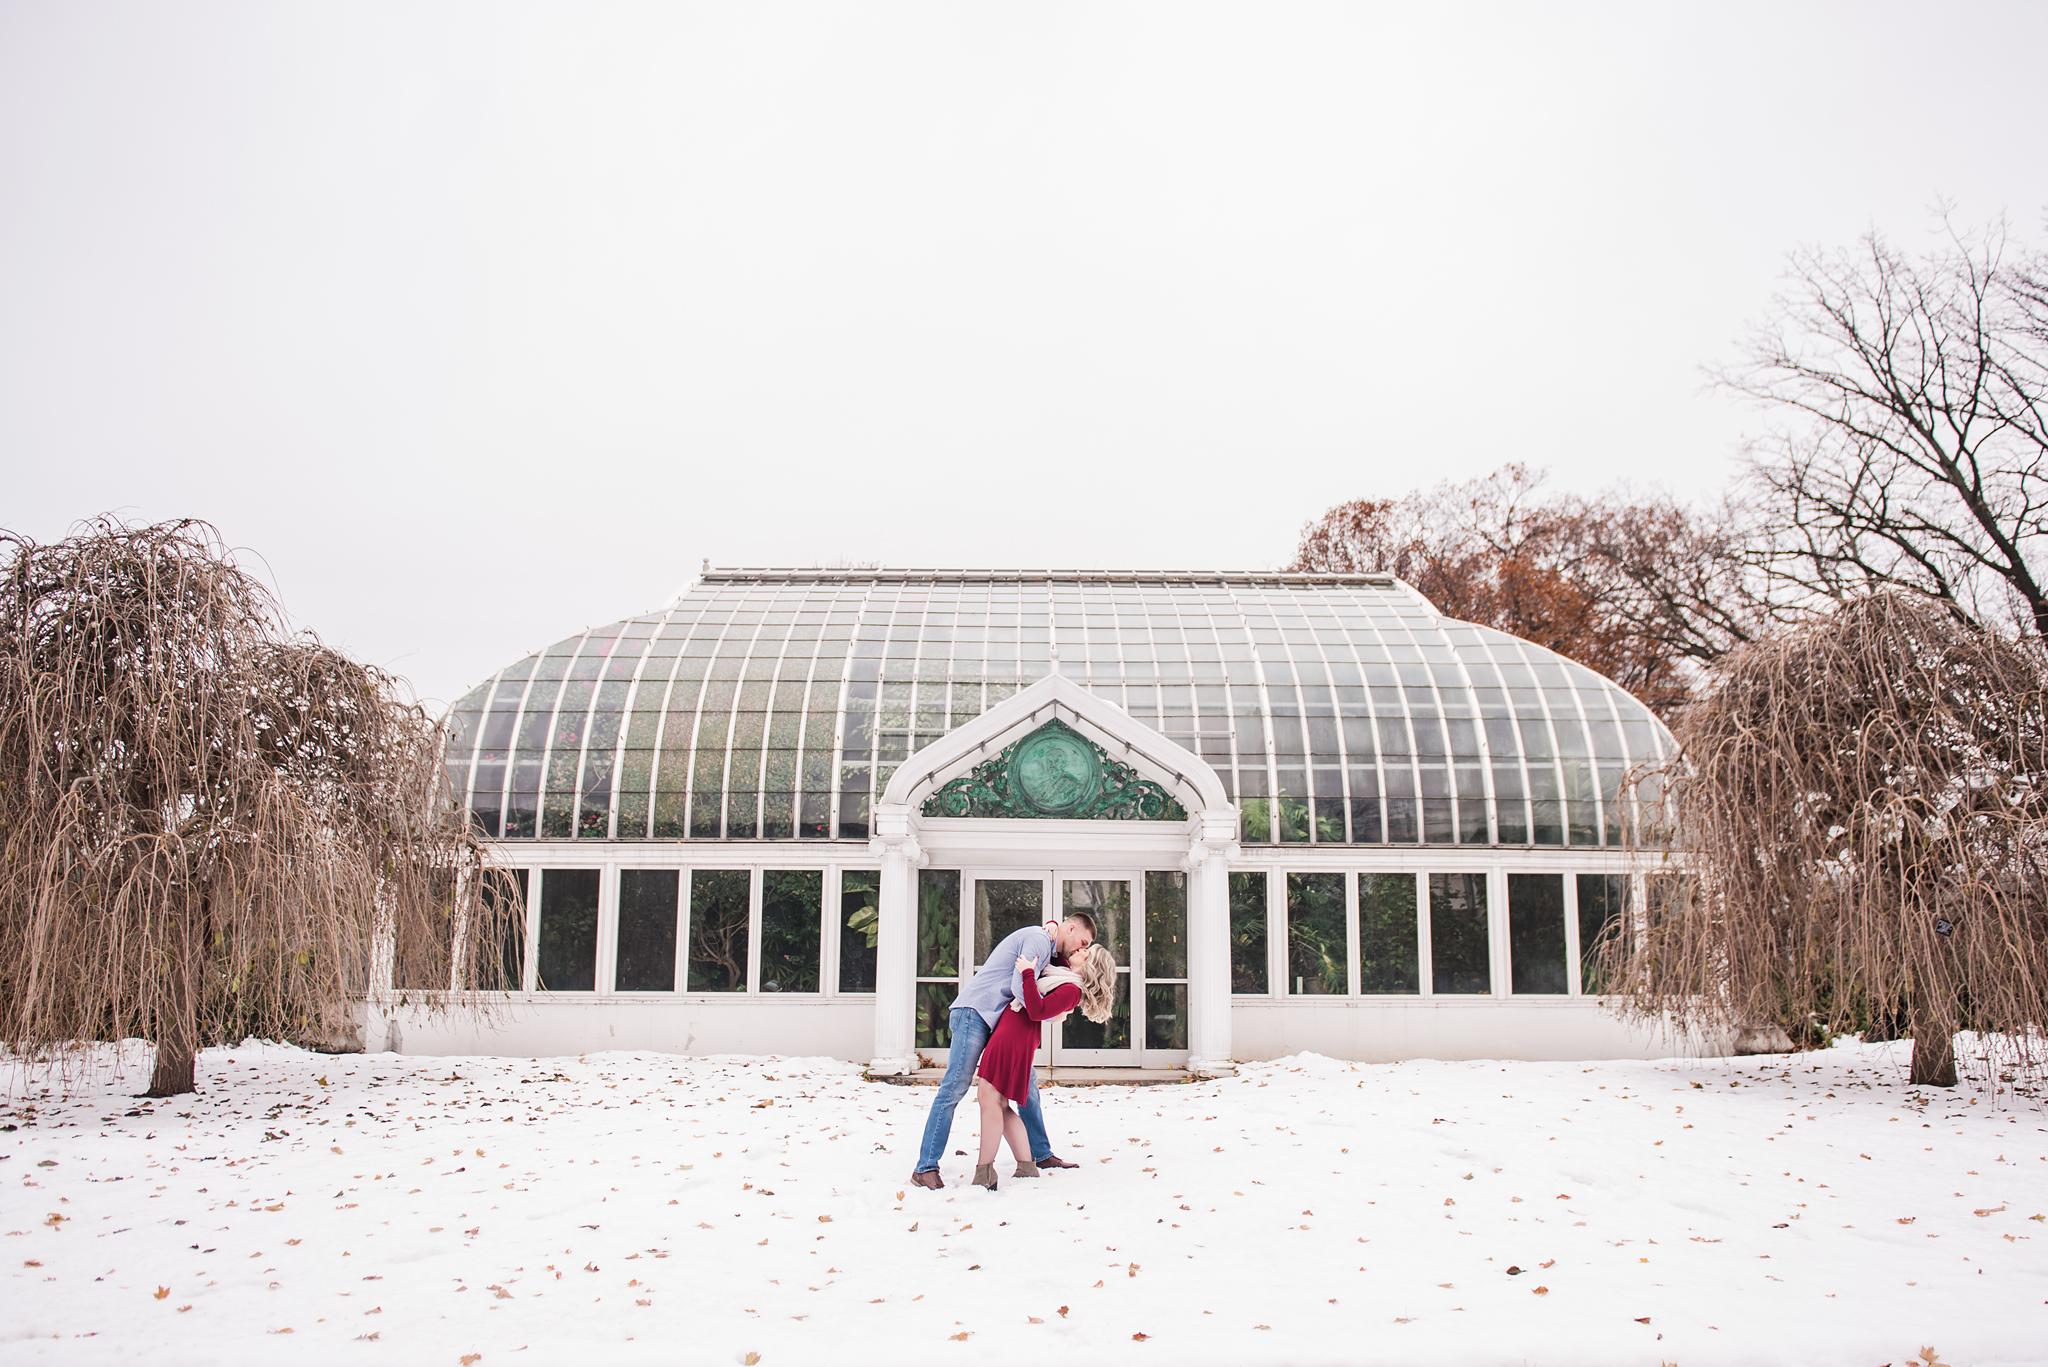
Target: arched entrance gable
column 1198, row 834
column 1160, row 759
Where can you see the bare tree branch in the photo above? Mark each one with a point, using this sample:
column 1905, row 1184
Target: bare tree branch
column 1914, row 454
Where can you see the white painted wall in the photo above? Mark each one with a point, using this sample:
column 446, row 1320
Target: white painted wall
column 1374, row 1030
column 1378, row 1030
column 540, row 1027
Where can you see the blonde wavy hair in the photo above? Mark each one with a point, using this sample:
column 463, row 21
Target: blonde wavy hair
column 1097, row 968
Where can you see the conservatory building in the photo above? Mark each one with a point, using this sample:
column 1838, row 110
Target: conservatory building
column 790, row 812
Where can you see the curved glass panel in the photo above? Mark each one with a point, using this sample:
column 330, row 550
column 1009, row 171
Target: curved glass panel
column 777, row 704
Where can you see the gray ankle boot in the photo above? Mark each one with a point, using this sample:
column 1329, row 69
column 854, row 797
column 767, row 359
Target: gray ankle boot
column 985, row 1176
column 1026, row 1169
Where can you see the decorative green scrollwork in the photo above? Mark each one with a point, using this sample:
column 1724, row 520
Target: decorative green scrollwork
column 1055, row 772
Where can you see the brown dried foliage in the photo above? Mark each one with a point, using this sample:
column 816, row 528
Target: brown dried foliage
column 1865, row 803
column 1637, row 587
column 210, row 826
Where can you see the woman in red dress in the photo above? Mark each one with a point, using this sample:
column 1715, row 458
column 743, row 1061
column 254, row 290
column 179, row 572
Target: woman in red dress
column 1004, row 1078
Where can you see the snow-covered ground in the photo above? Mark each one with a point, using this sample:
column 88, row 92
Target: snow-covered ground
column 641, row 1208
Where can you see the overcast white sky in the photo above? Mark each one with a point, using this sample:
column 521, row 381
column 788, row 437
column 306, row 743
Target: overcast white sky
column 480, row 323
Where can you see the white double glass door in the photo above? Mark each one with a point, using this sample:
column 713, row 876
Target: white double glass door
column 1003, row 901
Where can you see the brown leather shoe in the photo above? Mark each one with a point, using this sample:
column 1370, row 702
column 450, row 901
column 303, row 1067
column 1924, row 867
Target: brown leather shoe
column 1053, row 1160
column 929, row 1178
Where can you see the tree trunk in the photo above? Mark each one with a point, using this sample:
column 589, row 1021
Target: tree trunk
column 175, row 1066
column 1934, row 1057
column 177, row 1032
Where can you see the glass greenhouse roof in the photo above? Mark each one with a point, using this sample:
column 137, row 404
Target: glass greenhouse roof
column 776, row 704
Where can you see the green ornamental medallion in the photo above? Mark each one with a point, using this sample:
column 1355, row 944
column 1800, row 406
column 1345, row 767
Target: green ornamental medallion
column 1055, row 772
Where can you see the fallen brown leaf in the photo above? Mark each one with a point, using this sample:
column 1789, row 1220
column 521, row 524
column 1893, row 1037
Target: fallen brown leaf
column 1540, row 1291
column 1140, row 1338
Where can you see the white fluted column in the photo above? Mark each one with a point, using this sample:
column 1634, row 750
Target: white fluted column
column 1209, row 856
column 895, row 844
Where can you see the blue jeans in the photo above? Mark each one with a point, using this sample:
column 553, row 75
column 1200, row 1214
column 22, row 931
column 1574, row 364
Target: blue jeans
column 970, row 1037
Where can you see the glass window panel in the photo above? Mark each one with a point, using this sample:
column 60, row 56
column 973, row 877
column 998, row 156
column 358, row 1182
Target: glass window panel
column 719, row 911
column 1003, row 906
column 1582, row 819
column 938, row 923
column 633, row 814
column 507, row 893
column 1511, row 819
column 1166, row 929
column 1536, row 947
column 778, row 816
column 1365, row 821
column 1249, row 974
column 1603, row 912
column 1460, row 958
column 792, row 902
column 1388, row 956
column 647, row 931
column 1329, row 813
column 815, row 816
column 1166, row 1018
column 1547, row 817
column 705, row 810
column 742, row 814
column 498, row 729
column 1318, row 956
column 1287, row 744
column 1472, row 821
column 853, row 816
column 520, row 812
column 859, row 908
column 1254, row 813
column 558, row 816
column 568, row 930
column 1403, row 824
column 670, row 814
column 1108, row 901
column 1078, row 1032
column 1294, row 814
column 935, row 1015
column 1438, row 821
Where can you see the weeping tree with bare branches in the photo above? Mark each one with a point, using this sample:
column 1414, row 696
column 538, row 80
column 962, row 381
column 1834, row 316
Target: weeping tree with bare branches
column 1866, row 801
column 211, row 826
